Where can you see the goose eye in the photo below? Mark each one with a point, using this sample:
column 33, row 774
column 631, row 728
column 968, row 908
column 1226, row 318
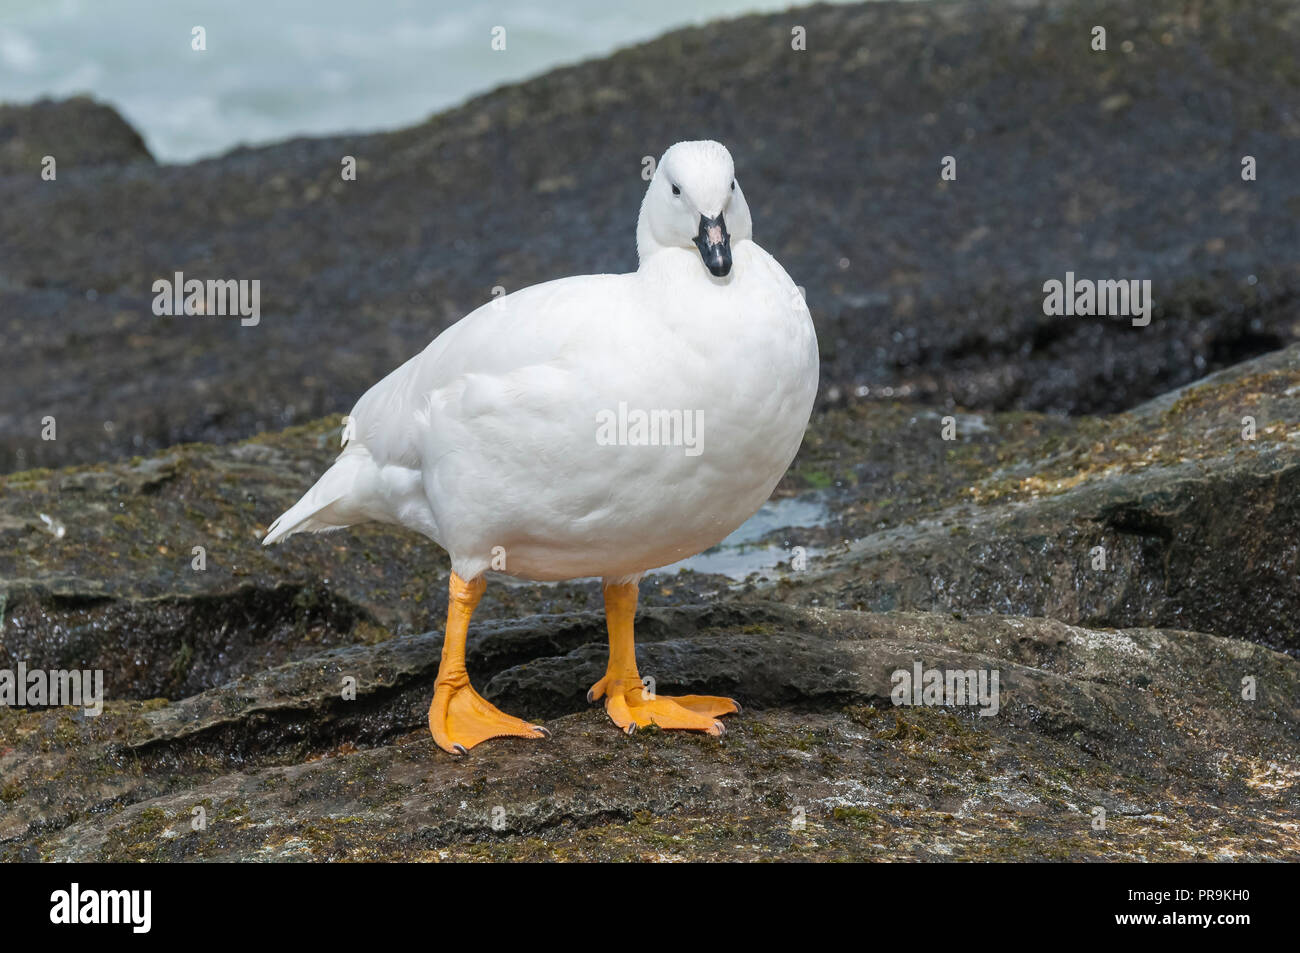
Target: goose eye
column 733, row 185
column 676, row 190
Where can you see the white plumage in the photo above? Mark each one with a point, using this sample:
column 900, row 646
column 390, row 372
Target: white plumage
column 488, row 441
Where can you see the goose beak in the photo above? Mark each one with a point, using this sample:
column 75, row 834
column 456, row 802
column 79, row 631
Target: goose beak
column 715, row 245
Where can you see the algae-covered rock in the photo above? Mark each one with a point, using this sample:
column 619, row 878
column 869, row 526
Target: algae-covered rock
column 228, row 686
column 1183, row 512
column 1145, row 726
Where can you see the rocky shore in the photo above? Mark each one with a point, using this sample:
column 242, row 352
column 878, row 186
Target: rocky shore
column 1108, row 516
column 1124, row 163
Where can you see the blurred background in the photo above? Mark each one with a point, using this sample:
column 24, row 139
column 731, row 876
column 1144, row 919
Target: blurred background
column 291, row 67
column 502, row 168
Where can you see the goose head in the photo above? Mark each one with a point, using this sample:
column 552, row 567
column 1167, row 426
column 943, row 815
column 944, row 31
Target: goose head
column 695, row 202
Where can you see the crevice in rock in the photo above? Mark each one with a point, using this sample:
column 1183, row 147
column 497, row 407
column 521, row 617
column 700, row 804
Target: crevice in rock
column 174, row 646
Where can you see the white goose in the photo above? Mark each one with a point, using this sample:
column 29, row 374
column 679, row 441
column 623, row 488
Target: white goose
column 601, row 425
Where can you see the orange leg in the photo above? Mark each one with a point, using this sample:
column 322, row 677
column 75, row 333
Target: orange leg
column 627, row 702
column 460, row 717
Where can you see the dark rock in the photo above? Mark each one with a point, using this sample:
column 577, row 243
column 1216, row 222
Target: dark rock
column 1147, row 725
column 920, row 288
column 1125, row 688
column 1163, row 516
column 79, row 133
column 1200, row 529
column 1146, row 721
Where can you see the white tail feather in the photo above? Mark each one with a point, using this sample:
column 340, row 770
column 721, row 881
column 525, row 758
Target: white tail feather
column 326, row 505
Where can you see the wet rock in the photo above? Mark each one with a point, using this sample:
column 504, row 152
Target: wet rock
column 1184, row 512
column 255, row 654
column 1130, row 577
column 1197, row 527
column 1148, row 725
column 921, row 288
column 209, row 638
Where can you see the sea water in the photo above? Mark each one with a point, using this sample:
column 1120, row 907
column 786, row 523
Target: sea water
column 274, row 69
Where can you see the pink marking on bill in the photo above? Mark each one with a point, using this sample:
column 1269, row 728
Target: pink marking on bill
column 715, row 234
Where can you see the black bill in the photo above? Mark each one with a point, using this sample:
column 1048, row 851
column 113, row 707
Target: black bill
column 714, row 244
